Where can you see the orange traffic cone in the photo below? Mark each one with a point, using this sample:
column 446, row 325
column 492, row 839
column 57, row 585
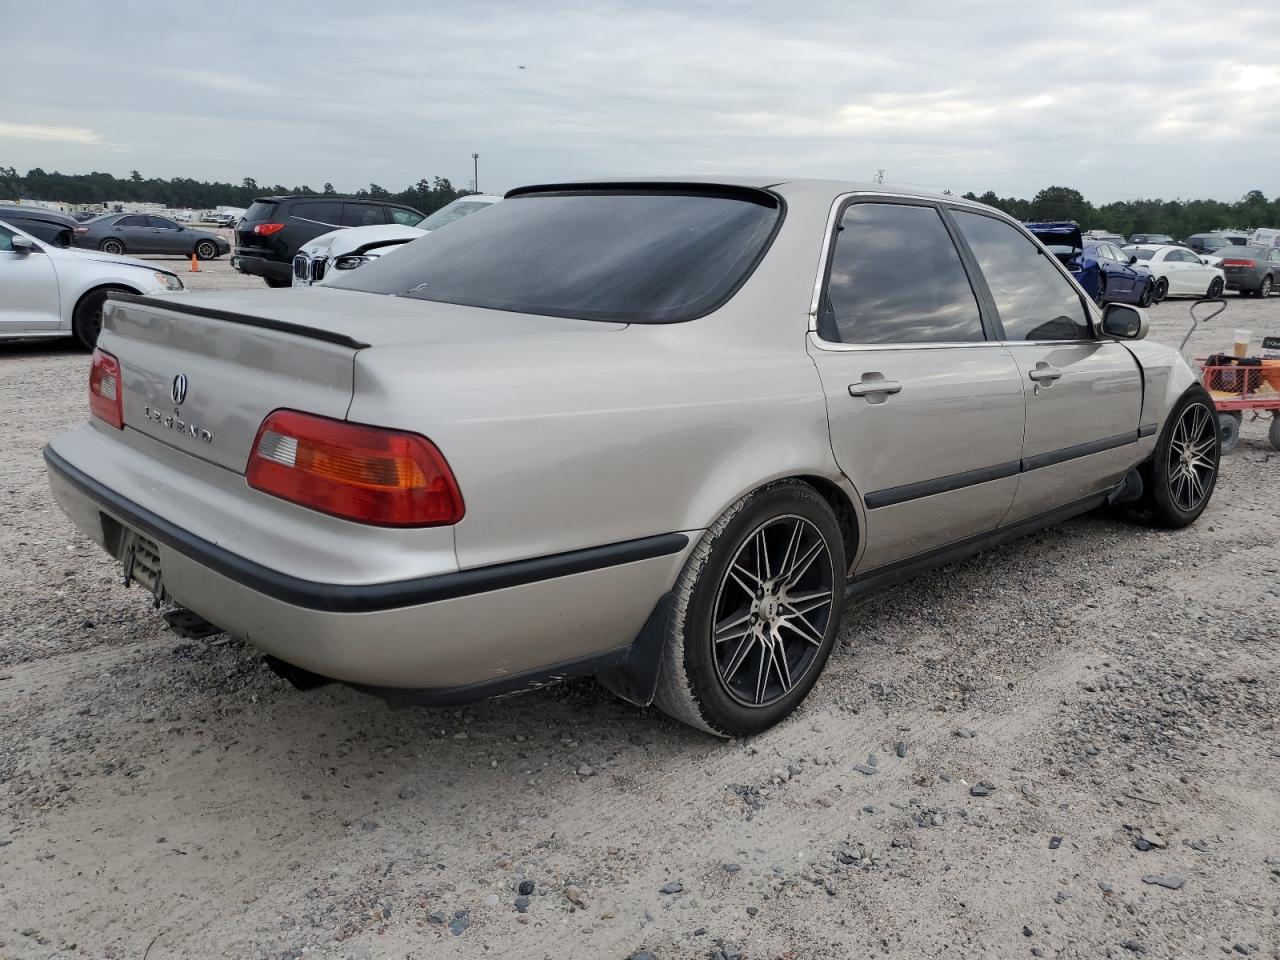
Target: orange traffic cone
column 195, row 263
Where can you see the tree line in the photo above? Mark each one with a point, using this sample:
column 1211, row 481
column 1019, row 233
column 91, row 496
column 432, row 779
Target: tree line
column 1176, row 218
column 427, row 195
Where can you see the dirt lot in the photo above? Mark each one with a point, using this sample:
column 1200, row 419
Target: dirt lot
column 1116, row 687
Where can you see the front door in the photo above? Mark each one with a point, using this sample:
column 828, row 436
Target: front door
column 134, row 232
column 28, row 289
column 1083, row 395
column 925, row 409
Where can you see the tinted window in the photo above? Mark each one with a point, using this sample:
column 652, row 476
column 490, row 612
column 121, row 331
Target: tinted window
column 318, row 211
column 630, row 257
column 896, row 278
column 162, row 223
column 405, row 218
column 362, row 215
column 1141, row 254
column 6, row 239
column 133, row 221
column 260, row 210
column 1035, row 301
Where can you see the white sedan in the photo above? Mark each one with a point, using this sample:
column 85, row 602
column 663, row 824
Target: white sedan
column 350, row 248
column 57, row 292
column 1179, row 271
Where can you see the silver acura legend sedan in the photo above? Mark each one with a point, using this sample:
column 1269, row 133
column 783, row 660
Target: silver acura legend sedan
column 660, row 432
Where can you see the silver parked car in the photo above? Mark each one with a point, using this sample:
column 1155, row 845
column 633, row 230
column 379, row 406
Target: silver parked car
column 658, row 432
column 52, row 291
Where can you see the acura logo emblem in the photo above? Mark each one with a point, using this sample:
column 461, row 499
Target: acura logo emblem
column 179, row 389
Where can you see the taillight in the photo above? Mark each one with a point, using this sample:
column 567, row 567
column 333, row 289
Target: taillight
column 104, row 389
column 368, row 474
column 1247, row 264
column 82, row 229
column 267, row 229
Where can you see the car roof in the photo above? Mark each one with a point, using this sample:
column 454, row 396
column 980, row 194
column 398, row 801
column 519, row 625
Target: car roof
column 336, row 198
column 27, row 212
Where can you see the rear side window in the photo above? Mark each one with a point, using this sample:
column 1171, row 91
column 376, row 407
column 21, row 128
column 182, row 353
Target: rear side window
column 134, row 221
column 318, row 211
column 632, row 257
column 363, row 215
column 1034, row 300
column 260, row 210
column 896, row 278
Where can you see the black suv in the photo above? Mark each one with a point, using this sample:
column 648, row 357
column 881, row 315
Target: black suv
column 273, row 228
column 47, row 225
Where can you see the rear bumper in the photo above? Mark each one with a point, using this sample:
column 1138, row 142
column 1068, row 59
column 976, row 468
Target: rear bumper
column 257, row 266
column 454, row 636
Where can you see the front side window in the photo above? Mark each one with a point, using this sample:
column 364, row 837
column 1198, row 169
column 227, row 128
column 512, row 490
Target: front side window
column 1034, row 300
column 6, row 240
column 631, row 256
column 896, row 277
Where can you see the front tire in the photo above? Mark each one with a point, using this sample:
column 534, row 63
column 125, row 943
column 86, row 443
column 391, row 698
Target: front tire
column 1215, row 289
column 86, row 320
column 275, row 284
column 1162, row 289
column 756, row 612
column 1179, row 479
column 206, row 250
column 112, row 246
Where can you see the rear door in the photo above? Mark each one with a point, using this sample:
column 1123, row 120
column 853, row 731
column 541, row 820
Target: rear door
column 1083, row 395
column 28, row 289
column 363, row 214
column 925, row 409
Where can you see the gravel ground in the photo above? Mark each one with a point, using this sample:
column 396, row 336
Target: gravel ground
column 1067, row 747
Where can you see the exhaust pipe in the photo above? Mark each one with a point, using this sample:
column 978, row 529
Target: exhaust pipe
column 300, row 679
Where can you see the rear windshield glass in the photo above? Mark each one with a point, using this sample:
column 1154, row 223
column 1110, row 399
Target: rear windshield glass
column 628, row 257
column 1247, row 251
column 259, row 210
column 454, row 211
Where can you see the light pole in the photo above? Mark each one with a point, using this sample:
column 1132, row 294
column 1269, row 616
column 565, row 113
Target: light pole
column 475, row 171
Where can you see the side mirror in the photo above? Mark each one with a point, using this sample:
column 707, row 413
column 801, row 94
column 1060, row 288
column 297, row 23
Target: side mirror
column 1124, row 322
column 1133, row 258
column 23, row 245
column 1205, row 261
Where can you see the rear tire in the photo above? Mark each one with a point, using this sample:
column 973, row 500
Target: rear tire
column 1101, row 298
column 1178, row 487
column 1264, row 290
column 768, row 577
column 1273, row 433
column 112, row 246
column 1162, row 289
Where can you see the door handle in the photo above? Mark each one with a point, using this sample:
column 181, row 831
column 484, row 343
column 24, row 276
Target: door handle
column 870, row 388
column 1044, row 373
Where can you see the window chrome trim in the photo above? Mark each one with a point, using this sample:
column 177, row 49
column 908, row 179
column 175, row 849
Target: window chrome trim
column 821, row 344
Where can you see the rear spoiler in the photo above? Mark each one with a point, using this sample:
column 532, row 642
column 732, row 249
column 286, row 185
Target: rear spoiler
column 173, row 305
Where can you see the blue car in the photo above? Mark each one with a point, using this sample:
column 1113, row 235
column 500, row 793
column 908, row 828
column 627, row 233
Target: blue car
column 1107, row 273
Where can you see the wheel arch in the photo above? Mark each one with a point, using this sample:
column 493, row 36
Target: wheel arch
column 69, row 320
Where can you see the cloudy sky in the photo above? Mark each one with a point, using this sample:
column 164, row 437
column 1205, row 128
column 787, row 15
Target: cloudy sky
column 1175, row 99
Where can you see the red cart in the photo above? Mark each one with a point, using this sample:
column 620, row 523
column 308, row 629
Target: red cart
column 1239, row 386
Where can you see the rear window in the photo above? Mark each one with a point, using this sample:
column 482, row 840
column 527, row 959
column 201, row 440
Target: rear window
column 1141, row 254
column 637, row 257
column 260, row 210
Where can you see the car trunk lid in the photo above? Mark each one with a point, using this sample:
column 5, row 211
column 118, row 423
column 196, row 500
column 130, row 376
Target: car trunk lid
column 202, row 378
